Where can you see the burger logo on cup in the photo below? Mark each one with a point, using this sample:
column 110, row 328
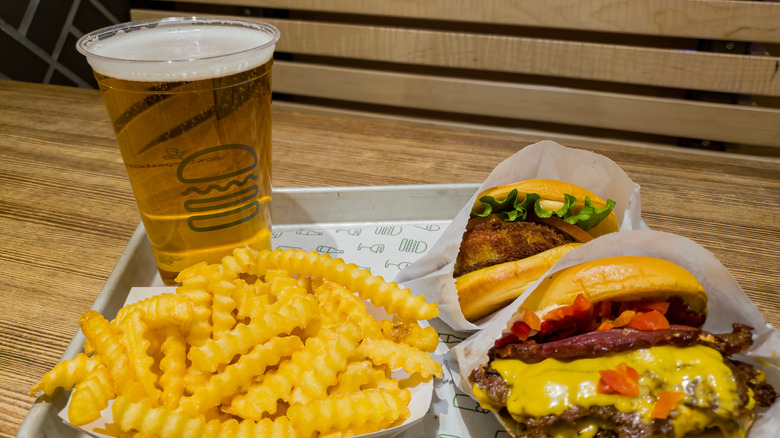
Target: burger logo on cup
column 226, row 199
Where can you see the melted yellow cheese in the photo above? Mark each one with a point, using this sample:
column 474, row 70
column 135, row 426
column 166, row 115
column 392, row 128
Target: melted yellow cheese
column 552, row 386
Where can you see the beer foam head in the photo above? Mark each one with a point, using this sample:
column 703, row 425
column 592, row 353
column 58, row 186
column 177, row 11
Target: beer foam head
column 178, row 49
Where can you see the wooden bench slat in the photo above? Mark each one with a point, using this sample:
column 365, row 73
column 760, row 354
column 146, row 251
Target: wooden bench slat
column 728, row 123
column 739, row 74
column 752, row 21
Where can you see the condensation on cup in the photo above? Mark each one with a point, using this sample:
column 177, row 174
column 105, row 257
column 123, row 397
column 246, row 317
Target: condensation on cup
column 190, row 103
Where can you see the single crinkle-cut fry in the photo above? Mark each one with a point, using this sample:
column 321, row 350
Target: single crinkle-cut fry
column 159, row 310
column 357, row 375
column 109, row 348
column 66, row 374
column 381, row 293
column 392, row 386
column 194, row 379
column 338, row 303
column 367, row 410
column 382, row 351
column 340, row 346
column 251, row 299
column 195, row 289
column 173, row 366
column 240, row 374
column 133, row 328
column 142, row 417
column 242, row 261
column 410, row 333
column 282, row 318
column 90, row 396
column 222, row 318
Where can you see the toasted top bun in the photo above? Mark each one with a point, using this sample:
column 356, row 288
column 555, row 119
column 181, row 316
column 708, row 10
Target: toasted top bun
column 553, row 190
column 624, row 278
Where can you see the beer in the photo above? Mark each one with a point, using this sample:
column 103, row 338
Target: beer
column 194, row 133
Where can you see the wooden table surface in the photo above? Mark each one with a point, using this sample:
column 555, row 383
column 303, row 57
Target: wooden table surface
column 67, row 210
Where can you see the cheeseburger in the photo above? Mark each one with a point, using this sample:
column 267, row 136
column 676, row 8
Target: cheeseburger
column 614, row 348
column 516, row 233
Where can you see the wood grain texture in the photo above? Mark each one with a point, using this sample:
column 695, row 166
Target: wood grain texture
column 67, row 211
column 683, row 69
column 651, row 115
column 713, row 19
column 455, row 92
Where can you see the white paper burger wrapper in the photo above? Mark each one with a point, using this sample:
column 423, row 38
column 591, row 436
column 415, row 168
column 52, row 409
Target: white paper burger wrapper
column 418, row 405
column 727, row 304
column 431, row 275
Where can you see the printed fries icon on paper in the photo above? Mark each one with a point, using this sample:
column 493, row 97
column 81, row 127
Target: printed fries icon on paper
column 273, row 343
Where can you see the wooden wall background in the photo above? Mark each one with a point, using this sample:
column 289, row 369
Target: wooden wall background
column 692, row 73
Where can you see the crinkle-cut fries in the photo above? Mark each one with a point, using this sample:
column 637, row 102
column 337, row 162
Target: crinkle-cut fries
column 271, row 343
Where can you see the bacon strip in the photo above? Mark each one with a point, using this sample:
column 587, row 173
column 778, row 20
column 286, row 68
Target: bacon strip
column 600, row 343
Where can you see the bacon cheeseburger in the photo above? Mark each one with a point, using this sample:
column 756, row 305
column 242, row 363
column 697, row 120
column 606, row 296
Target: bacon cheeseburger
column 613, row 348
column 516, row 233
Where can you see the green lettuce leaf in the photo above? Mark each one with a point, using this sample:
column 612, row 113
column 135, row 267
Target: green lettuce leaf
column 513, row 210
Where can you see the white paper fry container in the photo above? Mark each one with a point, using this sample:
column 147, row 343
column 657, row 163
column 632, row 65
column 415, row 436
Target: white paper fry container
column 727, row 304
column 431, row 275
column 418, row 405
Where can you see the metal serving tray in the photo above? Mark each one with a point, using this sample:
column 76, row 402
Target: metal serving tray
column 323, row 212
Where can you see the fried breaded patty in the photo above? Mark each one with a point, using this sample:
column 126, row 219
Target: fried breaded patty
column 490, row 241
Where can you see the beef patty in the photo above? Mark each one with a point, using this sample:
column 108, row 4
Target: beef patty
column 491, row 241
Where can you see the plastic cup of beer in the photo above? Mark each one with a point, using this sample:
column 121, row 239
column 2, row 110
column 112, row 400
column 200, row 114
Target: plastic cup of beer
column 190, row 103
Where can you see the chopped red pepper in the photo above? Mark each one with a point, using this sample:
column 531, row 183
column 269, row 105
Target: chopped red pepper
column 521, row 330
column 627, row 370
column 581, row 304
column 559, row 313
column 666, row 401
column 606, row 325
column 548, row 326
column 624, row 318
column 506, row 338
column 615, row 382
column 579, row 308
column 532, row 319
column 652, row 320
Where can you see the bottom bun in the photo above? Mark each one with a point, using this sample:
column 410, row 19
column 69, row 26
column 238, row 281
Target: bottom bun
column 487, row 290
